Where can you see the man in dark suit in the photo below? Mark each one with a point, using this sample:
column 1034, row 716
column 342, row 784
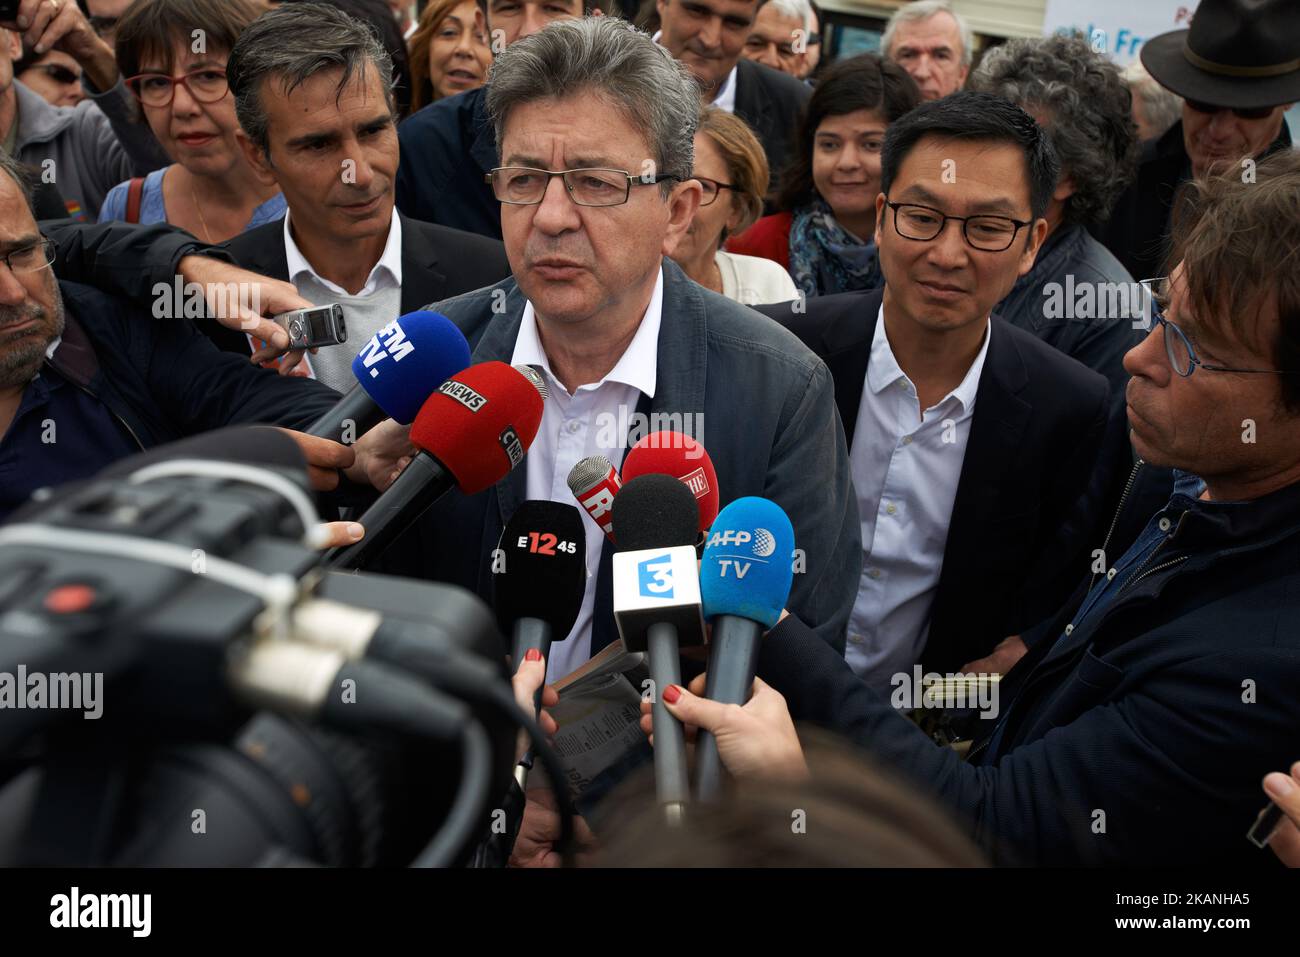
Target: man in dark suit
column 972, row 442
column 1139, row 734
column 330, row 144
column 708, row 36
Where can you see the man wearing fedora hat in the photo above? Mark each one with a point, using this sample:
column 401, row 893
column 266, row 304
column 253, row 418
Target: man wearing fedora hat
column 1238, row 70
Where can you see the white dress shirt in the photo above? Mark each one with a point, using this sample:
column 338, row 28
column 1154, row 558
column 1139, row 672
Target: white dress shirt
column 905, row 465
column 377, row 304
column 580, row 424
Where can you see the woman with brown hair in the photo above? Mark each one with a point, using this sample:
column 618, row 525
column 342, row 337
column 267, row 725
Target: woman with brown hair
column 449, row 51
column 209, row 190
column 732, row 168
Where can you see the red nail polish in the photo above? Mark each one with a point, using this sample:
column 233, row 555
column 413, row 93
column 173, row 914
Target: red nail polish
column 672, row 693
column 532, row 655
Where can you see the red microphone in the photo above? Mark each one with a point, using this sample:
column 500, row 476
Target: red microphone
column 471, row 432
column 678, row 455
column 594, row 482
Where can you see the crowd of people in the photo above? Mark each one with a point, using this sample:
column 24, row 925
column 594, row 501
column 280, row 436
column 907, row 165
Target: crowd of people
column 1010, row 334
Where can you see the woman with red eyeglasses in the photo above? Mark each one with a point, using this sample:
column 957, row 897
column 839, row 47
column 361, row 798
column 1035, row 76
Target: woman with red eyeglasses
column 173, row 54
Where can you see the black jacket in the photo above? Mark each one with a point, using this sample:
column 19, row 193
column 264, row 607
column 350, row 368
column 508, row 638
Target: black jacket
column 1138, row 229
column 437, row 263
column 1028, row 494
column 771, row 102
column 1140, row 737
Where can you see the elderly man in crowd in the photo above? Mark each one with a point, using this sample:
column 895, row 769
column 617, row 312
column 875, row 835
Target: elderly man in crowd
column 931, row 42
column 1238, row 71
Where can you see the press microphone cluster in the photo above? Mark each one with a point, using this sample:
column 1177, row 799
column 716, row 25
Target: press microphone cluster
column 395, row 372
column 471, row 432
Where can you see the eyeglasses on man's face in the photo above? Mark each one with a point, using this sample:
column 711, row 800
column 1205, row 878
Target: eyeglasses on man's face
column 58, row 73
column 1178, row 345
column 1242, row 113
column 525, row 186
column 30, row 258
column 158, row 89
column 991, row 234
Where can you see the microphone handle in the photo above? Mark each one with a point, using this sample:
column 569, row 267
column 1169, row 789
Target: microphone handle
column 733, row 656
column 356, row 407
column 672, row 784
column 531, row 633
column 421, row 484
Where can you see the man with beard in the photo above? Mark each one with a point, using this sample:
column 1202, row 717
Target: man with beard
column 84, row 383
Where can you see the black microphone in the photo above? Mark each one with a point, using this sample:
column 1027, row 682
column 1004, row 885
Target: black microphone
column 539, row 575
column 395, row 372
column 657, row 606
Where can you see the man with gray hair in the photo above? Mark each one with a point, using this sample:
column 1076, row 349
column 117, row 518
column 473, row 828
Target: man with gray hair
column 932, row 42
column 781, row 36
column 596, row 124
column 313, row 93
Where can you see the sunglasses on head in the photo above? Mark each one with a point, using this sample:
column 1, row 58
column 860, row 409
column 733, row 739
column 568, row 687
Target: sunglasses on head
column 1251, row 113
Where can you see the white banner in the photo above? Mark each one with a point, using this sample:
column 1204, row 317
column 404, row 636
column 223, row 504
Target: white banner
column 1118, row 27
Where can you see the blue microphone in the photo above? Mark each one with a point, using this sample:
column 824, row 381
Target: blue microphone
column 745, row 580
column 396, row 371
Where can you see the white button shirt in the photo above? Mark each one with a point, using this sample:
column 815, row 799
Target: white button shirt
column 905, row 465
column 575, row 426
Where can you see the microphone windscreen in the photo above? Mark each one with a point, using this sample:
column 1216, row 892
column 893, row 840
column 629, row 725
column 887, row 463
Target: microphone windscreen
column 678, row 455
column 655, row 511
column 479, row 424
column 542, row 570
column 748, row 563
column 404, row 361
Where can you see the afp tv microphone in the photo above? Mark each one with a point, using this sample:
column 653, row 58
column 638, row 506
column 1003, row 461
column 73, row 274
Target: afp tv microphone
column 745, row 579
column 471, row 432
column 395, row 371
column 657, row 607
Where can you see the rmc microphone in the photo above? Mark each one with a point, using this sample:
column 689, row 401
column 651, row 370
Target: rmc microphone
column 657, row 607
column 594, row 482
column 395, row 371
column 539, row 576
column 678, row 455
column 471, row 432
column 745, row 579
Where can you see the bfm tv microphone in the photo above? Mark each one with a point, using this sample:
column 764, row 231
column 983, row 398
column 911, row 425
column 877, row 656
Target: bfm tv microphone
column 657, row 607
column 678, row 455
column 395, row 371
column 539, row 577
column 471, row 432
column 745, row 579
column 594, row 482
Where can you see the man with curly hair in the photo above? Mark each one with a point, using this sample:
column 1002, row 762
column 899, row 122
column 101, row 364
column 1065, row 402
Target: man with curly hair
column 1077, row 297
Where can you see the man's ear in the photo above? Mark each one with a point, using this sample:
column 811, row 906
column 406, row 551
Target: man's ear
column 1064, row 189
column 1037, row 233
column 683, row 201
column 257, row 159
column 880, row 215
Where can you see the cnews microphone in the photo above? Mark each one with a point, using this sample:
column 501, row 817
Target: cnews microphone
column 678, row 455
column 594, row 482
column 745, row 579
column 394, row 372
column 539, row 576
column 657, row 606
column 471, row 432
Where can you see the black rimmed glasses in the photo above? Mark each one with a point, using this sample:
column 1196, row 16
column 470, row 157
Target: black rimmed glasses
column 525, row 186
column 991, row 234
column 158, row 89
column 1178, row 345
column 30, row 258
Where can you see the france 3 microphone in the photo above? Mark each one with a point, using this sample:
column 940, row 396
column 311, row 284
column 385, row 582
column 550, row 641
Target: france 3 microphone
column 395, row 371
column 678, row 455
column 657, row 607
column 594, row 482
column 539, row 577
column 745, row 579
column 471, row 432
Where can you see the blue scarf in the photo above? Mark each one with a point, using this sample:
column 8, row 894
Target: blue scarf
column 825, row 258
